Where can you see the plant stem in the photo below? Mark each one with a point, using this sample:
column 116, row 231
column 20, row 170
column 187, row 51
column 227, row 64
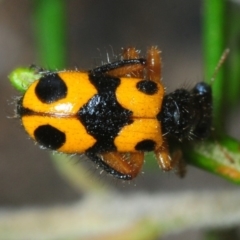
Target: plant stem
column 214, row 38
column 49, row 20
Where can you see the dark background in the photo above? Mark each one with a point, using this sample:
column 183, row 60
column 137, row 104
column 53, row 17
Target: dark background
column 26, row 172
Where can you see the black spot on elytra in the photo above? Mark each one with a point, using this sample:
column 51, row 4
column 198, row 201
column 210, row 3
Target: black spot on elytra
column 49, row 137
column 148, row 87
column 51, row 88
column 147, row 145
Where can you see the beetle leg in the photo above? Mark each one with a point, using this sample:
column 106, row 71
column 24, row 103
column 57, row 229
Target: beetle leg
column 130, row 53
column 102, row 164
column 163, row 157
column 125, row 66
column 168, row 162
column 154, row 64
column 130, row 65
column 135, row 70
column 123, row 166
column 127, row 164
column 178, row 162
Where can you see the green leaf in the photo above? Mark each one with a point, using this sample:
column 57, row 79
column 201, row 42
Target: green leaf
column 22, row 78
column 221, row 157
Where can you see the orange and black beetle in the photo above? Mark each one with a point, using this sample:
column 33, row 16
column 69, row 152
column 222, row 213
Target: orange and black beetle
column 114, row 113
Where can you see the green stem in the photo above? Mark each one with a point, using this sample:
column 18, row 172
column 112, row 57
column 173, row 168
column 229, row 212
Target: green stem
column 50, row 32
column 214, row 17
column 221, row 157
column 234, row 58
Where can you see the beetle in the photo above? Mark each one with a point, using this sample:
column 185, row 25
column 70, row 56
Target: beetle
column 115, row 113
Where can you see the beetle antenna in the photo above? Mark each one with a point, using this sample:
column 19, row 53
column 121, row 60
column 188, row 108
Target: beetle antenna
column 220, row 63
